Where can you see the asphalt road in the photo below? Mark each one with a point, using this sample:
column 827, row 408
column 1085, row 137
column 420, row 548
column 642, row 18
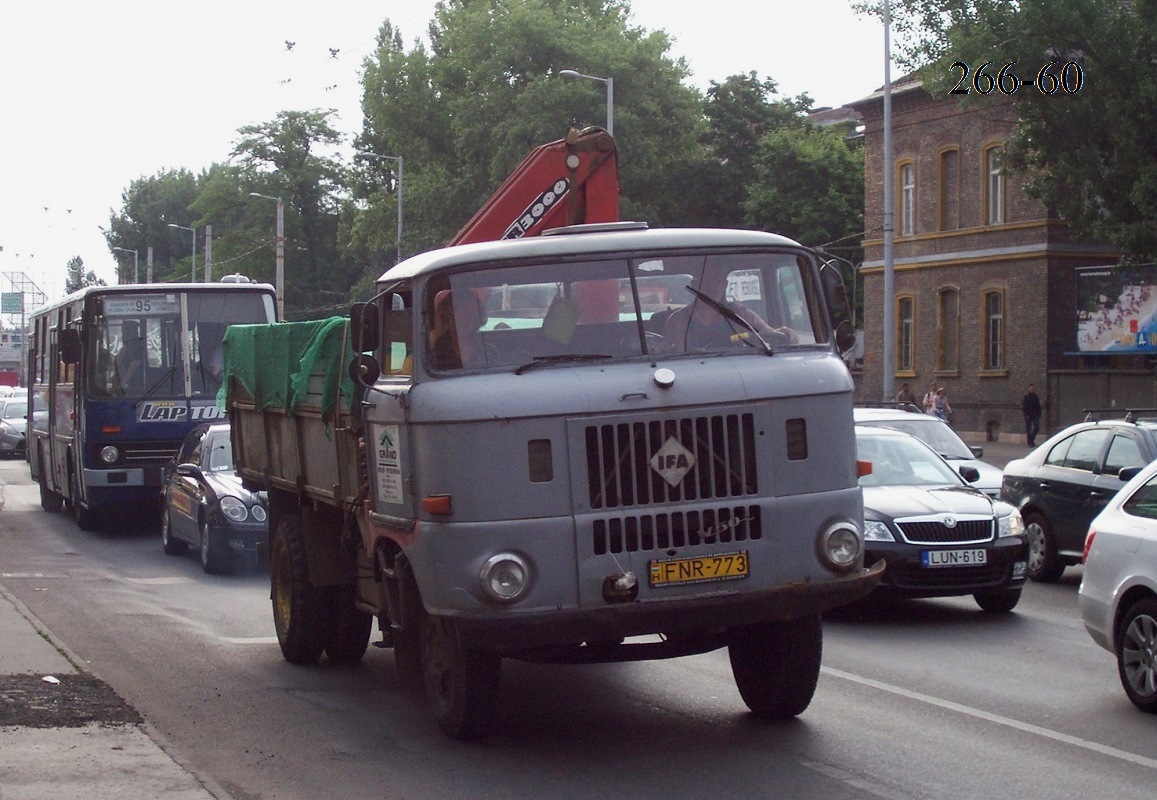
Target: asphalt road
column 929, row 699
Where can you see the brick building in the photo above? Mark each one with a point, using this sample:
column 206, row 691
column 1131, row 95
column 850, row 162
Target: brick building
column 984, row 277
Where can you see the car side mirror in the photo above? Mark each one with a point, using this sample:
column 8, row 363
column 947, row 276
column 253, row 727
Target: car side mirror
column 1128, row 473
column 189, row 470
column 970, row 474
column 977, row 452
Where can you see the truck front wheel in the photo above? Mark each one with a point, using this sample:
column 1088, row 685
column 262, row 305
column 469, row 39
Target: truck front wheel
column 777, row 664
column 300, row 611
column 462, row 685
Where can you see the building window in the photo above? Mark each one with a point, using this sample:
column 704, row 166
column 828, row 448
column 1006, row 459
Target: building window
column 905, row 338
column 993, row 330
column 907, row 199
column 948, row 181
column 948, row 330
column 994, row 185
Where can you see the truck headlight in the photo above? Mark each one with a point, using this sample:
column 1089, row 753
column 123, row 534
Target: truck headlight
column 109, row 454
column 505, row 577
column 840, row 546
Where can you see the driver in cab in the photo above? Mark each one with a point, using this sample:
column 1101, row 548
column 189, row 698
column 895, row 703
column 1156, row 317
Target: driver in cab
column 712, row 321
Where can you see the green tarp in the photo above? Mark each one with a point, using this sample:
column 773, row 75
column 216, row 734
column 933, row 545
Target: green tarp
column 286, row 364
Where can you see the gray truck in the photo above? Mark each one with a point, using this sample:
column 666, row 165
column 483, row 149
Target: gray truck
column 605, row 444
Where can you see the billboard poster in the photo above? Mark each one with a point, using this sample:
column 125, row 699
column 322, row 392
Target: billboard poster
column 1117, row 309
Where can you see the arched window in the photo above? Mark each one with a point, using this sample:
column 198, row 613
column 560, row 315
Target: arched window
column 994, row 185
column 907, row 179
column 992, row 312
column 905, row 333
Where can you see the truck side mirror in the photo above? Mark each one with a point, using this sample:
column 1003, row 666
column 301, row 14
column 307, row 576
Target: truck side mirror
column 68, row 345
column 365, row 327
column 839, row 309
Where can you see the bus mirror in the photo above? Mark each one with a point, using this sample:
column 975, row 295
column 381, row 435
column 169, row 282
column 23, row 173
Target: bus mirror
column 68, row 345
column 364, row 327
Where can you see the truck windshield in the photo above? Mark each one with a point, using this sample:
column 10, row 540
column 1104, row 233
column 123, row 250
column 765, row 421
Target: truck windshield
column 620, row 308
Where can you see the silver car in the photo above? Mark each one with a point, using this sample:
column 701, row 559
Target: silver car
column 937, row 434
column 14, row 425
column 1118, row 596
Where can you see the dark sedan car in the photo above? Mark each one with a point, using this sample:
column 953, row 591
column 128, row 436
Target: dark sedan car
column 205, row 505
column 940, row 536
column 1061, row 485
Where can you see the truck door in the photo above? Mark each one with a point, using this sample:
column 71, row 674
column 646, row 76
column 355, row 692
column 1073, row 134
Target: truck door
column 387, row 436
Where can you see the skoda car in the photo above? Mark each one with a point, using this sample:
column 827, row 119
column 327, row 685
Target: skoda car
column 939, row 536
column 205, row 505
column 937, row 434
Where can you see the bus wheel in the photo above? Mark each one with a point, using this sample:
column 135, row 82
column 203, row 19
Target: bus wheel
column 349, row 627
column 86, row 518
column 777, row 664
column 462, row 685
column 300, row 612
column 49, row 500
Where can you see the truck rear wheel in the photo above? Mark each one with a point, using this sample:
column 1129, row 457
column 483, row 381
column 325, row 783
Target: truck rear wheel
column 462, row 685
column 300, row 611
column 349, row 627
column 777, row 664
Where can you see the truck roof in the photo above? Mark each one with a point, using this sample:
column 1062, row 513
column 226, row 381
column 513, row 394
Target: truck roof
column 585, row 240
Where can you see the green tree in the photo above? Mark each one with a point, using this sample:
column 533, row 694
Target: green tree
column 1091, row 154
column 294, row 157
column 77, row 278
column 465, row 112
column 807, row 183
column 148, row 205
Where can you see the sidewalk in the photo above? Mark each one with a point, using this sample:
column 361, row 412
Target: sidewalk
column 66, row 733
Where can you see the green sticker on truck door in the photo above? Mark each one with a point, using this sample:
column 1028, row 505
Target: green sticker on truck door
column 389, row 461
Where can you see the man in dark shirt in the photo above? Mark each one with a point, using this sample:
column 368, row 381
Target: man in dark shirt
column 1030, row 407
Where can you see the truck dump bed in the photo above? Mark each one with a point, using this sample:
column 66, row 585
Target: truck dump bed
column 288, row 395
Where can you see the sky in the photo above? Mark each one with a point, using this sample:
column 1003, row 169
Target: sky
column 98, row 94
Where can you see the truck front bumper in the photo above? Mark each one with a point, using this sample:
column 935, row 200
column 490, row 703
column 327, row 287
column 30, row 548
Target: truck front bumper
column 687, row 615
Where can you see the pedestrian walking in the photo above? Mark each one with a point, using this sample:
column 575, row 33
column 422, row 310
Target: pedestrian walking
column 929, row 397
column 905, row 395
column 1030, row 407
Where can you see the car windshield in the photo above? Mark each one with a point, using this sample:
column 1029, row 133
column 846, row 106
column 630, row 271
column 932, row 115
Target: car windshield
column 902, row 461
column 15, row 409
column 219, row 452
column 616, row 308
column 932, row 432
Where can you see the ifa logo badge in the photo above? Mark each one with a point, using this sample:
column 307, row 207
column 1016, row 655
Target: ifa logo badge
column 673, row 461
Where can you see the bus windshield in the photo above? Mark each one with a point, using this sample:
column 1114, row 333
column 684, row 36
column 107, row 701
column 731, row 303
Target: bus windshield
column 164, row 344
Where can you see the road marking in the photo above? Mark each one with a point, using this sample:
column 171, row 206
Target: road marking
column 172, row 580
column 1036, row 730
column 32, row 575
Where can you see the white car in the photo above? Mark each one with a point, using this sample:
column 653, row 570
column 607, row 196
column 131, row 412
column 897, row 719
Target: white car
column 937, row 434
column 1118, row 596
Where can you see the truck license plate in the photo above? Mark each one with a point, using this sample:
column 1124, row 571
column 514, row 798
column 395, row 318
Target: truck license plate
column 953, row 558
column 681, row 571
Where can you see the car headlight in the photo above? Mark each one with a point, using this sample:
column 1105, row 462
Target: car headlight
column 876, row 531
column 505, row 577
column 1012, row 525
column 258, row 513
column 840, row 546
column 233, row 508
column 109, row 454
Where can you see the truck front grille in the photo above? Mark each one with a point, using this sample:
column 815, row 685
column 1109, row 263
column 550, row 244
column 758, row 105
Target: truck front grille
column 674, row 530
column 148, row 452
column 620, row 473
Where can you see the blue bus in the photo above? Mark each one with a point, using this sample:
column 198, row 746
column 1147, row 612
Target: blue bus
column 125, row 372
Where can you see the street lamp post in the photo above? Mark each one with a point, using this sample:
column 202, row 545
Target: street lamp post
column 193, row 260
column 399, row 160
column 610, row 84
column 279, row 274
column 136, row 262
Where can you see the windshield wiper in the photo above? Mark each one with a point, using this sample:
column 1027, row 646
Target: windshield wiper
column 561, row 358
column 729, row 314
